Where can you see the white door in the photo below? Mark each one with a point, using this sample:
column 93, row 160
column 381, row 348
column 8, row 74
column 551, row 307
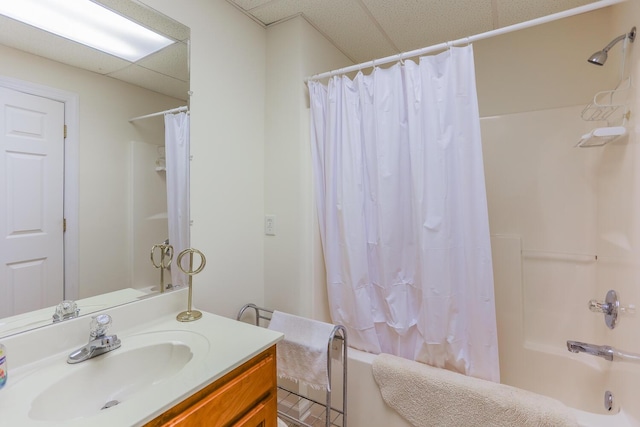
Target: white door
column 31, row 202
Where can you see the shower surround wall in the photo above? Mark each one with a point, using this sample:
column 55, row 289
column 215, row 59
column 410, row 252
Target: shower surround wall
column 565, row 230
column 542, row 198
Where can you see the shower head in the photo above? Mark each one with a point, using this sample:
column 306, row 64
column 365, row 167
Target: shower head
column 600, row 57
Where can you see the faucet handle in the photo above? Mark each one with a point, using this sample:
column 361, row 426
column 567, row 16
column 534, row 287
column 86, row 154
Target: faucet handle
column 67, row 309
column 611, row 308
column 99, row 325
column 629, row 309
column 603, row 307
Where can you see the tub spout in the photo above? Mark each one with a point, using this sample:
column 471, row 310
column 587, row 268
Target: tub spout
column 604, row 351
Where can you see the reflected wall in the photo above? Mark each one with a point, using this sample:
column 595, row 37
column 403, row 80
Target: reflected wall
column 105, row 138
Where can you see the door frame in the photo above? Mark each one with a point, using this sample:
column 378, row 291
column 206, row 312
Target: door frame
column 71, row 165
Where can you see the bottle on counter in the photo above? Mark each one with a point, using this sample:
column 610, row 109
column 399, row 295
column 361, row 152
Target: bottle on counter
column 3, row 365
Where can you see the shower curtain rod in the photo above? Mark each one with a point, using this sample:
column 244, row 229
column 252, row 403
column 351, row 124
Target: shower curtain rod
column 173, row 110
column 466, row 40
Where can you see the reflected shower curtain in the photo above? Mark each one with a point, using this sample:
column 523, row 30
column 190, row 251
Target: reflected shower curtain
column 401, row 200
column 177, row 158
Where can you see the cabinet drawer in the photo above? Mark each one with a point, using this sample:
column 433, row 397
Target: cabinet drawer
column 262, row 415
column 237, row 399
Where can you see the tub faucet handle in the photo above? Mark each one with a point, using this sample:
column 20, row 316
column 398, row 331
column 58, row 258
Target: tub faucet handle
column 610, row 308
column 602, row 307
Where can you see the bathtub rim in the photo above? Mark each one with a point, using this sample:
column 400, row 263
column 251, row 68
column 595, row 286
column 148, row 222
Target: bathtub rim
column 584, row 418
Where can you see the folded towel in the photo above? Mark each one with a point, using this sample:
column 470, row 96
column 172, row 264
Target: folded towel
column 302, row 355
column 428, row 396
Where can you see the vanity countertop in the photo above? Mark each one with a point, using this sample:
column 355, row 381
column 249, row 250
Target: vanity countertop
column 218, row 344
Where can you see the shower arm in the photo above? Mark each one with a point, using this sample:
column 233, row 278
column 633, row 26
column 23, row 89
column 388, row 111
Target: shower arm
column 631, row 35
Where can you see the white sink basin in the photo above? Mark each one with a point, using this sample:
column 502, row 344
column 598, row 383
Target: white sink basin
column 143, row 362
column 161, row 362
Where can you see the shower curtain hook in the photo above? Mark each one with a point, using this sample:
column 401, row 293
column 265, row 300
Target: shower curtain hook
column 400, row 59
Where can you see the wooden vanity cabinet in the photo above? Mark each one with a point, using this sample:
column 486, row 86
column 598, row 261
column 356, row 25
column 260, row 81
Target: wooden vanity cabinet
column 245, row 397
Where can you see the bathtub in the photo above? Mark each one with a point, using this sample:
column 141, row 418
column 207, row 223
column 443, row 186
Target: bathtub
column 366, row 408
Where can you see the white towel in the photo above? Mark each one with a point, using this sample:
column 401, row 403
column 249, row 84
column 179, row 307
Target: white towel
column 302, row 355
column 428, row 396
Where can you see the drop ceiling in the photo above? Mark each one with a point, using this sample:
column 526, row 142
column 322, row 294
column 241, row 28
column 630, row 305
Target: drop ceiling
column 362, row 29
column 368, row 29
column 165, row 71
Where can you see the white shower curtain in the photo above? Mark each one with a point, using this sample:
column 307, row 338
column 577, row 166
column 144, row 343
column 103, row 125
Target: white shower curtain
column 177, row 161
column 403, row 214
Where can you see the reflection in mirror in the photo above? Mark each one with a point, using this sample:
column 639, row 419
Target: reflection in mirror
column 112, row 185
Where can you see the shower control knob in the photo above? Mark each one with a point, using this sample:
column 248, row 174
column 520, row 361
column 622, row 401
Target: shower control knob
column 610, row 308
column 603, row 307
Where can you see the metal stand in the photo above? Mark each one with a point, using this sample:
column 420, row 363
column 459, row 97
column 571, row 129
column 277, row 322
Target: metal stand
column 190, row 315
column 299, row 409
column 166, row 250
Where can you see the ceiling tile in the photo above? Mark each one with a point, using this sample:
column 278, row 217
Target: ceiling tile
column 172, row 61
column 277, row 10
column 345, row 23
column 149, row 18
column 515, row 11
column 250, row 4
column 152, row 80
column 424, row 23
column 368, row 29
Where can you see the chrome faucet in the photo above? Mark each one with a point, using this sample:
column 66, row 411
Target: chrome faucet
column 604, row 351
column 99, row 342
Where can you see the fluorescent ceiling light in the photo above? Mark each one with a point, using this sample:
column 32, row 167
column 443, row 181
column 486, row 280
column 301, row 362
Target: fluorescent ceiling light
column 88, row 23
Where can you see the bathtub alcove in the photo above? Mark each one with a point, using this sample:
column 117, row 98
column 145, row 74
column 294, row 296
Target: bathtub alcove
column 549, row 207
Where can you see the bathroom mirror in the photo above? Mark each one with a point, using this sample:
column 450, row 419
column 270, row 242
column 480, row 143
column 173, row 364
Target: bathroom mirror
column 119, row 163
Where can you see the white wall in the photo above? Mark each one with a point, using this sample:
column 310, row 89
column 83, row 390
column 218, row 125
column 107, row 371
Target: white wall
column 294, row 268
column 544, row 66
column 105, row 106
column 228, row 57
